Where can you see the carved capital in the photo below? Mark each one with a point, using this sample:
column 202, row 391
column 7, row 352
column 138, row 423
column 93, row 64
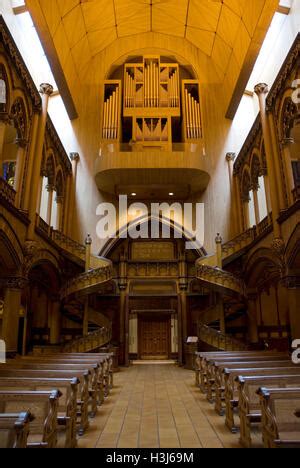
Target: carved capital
column 21, row 142
column 292, row 282
column 59, row 200
column 13, row 282
column 261, row 88
column 46, row 88
column 31, row 248
column 230, row 157
column 287, row 142
column 278, row 246
column 50, row 188
column 74, row 157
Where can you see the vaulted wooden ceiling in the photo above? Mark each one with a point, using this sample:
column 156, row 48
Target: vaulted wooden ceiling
column 81, row 29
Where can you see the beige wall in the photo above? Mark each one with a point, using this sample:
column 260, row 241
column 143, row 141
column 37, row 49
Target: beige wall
column 222, row 135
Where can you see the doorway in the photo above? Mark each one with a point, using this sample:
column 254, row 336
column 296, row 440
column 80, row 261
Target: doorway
column 154, row 338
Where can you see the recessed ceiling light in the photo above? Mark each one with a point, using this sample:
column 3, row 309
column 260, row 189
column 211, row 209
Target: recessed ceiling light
column 171, row 194
column 133, row 194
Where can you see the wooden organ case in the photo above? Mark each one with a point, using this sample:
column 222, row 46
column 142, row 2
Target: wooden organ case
column 154, row 106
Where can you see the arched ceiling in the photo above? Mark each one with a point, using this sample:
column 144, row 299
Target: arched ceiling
column 223, row 30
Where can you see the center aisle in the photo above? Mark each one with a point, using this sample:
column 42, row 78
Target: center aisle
column 157, row 406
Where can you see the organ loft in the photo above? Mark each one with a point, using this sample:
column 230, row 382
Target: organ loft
column 149, row 225
column 154, row 104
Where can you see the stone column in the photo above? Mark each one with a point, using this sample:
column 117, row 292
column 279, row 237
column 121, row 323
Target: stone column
column 240, row 227
column 46, row 90
column 246, row 214
column 11, row 314
column 123, row 306
column 20, row 170
column 268, row 194
column 256, row 205
column 252, row 319
column 31, row 159
column 277, row 162
column 219, row 252
column 262, row 90
column 88, row 246
column 230, row 157
column 290, row 182
column 50, row 190
column 59, row 213
column 66, row 205
column 75, row 158
column 55, row 322
column 2, row 137
column 293, row 288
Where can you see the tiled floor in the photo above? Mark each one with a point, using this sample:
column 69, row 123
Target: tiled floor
column 157, row 406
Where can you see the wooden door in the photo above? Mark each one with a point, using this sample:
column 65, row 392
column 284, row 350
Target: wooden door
column 154, row 338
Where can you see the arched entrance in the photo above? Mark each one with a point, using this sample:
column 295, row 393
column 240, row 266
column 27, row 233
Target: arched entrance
column 153, row 311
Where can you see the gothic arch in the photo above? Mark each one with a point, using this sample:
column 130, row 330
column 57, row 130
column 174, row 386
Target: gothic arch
column 246, row 184
column 288, row 114
column 261, row 266
column 111, row 244
column 256, row 169
column 60, row 183
column 50, row 168
column 293, row 248
column 10, row 248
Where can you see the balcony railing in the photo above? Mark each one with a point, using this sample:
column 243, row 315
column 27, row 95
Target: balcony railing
column 7, row 192
column 264, row 226
column 239, row 242
column 219, row 340
column 68, row 244
column 296, row 194
column 43, row 226
column 92, row 341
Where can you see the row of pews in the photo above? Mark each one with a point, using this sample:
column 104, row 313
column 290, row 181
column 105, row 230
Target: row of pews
column 254, row 390
column 46, row 402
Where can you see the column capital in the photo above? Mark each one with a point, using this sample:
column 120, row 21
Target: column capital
column 46, row 89
column 230, row 157
column 16, row 283
column 287, row 141
column 74, row 157
column 21, row 142
column 59, row 200
column 50, row 188
column 261, row 88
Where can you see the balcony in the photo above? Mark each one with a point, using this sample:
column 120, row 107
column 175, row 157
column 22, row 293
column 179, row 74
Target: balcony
column 7, row 193
column 153, row 172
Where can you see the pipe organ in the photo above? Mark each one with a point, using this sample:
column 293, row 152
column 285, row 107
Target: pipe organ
column 155, row 105
column 111, row 111
column 191, row 110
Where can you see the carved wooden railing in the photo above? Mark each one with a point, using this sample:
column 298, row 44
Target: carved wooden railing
column 239, row 242
column 219, row 340
column 90, row 281
column 7, row 192
column 42, row 225
column 68, row 244
column 90, row 342
column 264, row 226
column 219, row 280
column 296, row 194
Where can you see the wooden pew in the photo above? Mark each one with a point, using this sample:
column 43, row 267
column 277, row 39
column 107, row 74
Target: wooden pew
column 202, row 357
column 92, row 369
column 280, row 423
column 84, row 387
column 43, row 406
column 231, row 389
column 14, row 430
column 249, row 403
column 221, row 382
column 67, row 409
column 102, row 364
column 216, row 367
